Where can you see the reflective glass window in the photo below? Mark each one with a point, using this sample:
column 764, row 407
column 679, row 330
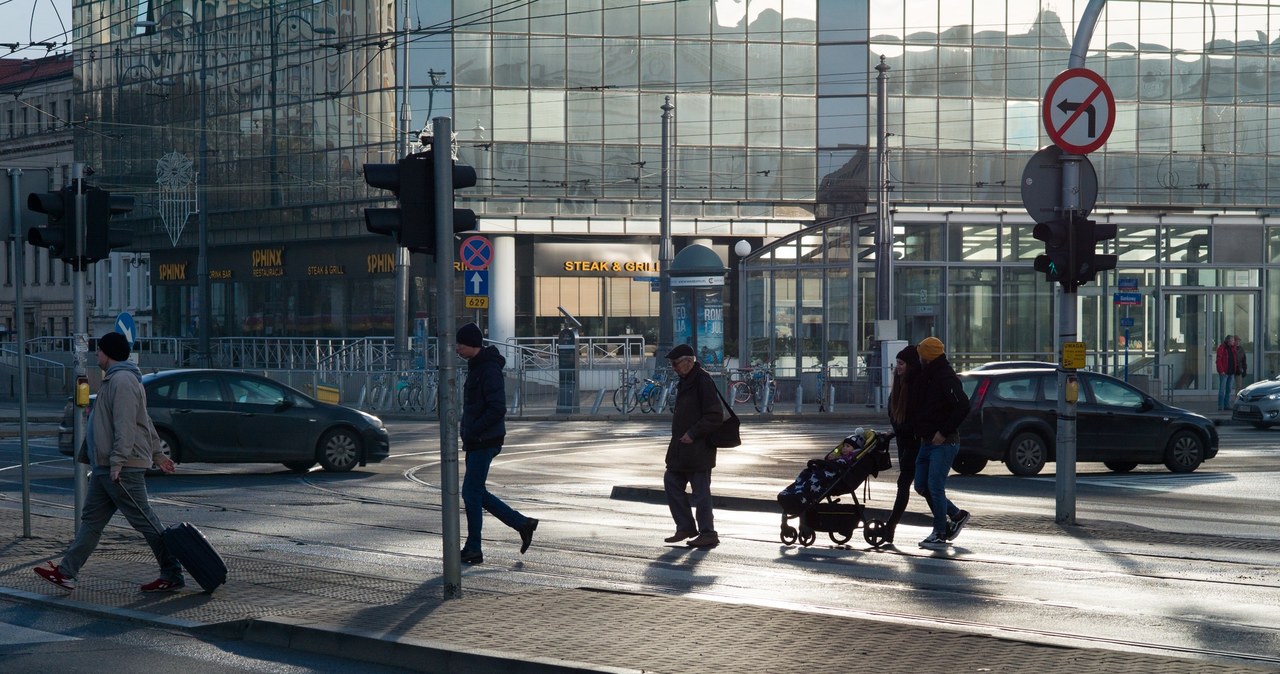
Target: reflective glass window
column 764, row 120
column 839, row 70
column 842, row 122
column 728, row 66
column 510, row 60
column 843, row 21
column 621, row 17
column 730, row 115
column 546, row 115
column 585, row 110
column 799, row 63
column 657, row 18
column 547, row 62
column 621, row 112
column 585, row 63
column 657, row 64
column 548, row 17
column 621, row 63
column 798, row 135
column 918, row 242
column 1023, row 125
column 511, row 118
column 693, row 65
column 583, row 17
column 472, row 65
column 764, row 68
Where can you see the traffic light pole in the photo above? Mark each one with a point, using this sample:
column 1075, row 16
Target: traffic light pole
column 446, row 317
column 20, row 312
column 80, row 340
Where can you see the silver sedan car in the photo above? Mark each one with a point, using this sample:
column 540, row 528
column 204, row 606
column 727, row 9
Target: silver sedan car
column 1258, row 404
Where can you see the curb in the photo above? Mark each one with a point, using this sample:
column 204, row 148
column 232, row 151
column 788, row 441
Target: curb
column 420, row 655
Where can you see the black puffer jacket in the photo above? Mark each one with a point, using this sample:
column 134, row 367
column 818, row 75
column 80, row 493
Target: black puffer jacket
column 698, row 412
column 484, row 402
column 940, row 402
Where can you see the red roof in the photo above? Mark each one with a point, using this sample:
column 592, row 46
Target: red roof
column 18, row 72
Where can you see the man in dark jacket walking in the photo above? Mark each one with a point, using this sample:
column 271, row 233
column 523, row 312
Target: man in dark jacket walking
column 690, row 457
column 483, row 429
column 941, row 405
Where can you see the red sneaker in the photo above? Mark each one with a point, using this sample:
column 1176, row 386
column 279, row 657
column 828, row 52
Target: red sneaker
column 54, row 575
column 163, row 585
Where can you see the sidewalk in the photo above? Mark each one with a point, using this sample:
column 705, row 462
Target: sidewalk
column 386, row 614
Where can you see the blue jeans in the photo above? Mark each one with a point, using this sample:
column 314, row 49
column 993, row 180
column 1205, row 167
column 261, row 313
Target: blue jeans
column 932, row 466
column 477, row 499
column 1225, row 382
column 104, row 498
column 674, row 481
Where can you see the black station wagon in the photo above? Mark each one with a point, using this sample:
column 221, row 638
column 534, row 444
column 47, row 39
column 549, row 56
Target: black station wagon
column 1014, row 419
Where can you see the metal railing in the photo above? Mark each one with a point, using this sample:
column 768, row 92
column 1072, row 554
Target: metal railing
column 46, row 378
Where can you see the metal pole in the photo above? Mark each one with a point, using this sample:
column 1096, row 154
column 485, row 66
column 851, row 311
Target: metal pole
column 202, row 205
column 445, row 326
column 666, row 310
column 80, row 477
column 884, row 228
column 403, row 259
column 275, row 169
column 1065, row 475
column 19, row 279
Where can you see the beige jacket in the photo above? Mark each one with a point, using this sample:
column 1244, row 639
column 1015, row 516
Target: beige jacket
column 123, row 434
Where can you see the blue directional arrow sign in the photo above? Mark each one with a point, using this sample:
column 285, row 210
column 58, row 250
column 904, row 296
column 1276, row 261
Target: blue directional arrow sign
column 476, row 283
column 126, row 327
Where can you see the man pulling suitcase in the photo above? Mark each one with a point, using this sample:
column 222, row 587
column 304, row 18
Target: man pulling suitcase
column 122, row 444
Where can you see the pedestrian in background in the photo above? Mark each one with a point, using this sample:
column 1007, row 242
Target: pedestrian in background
column 906, row 369
column 941, row 405
column 690, row 457
column 1229, row 364
column 483, row 430
column 121, row 445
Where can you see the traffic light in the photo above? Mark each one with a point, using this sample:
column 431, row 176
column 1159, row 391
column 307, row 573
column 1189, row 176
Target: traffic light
column 412, row 180
column 1088, row 261
column 409, row 180
column 1056, row 260
column 59, row 236
column 100, row 236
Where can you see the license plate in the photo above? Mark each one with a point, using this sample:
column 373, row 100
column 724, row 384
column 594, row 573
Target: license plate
column 1246, row 409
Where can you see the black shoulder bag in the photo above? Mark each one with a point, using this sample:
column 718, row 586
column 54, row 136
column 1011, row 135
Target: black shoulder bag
column 727, row 433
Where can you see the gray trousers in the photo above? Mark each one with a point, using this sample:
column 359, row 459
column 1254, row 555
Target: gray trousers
column 105, row 497
column 674, row 481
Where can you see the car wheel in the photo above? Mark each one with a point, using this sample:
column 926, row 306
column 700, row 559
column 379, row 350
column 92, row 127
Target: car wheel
column 1027, row 454
column 299, row 466
column 968, row 464
column 1121, row 466
column 1185, row 452
column 167, row 445
column 339, row 450
column 1261, row 426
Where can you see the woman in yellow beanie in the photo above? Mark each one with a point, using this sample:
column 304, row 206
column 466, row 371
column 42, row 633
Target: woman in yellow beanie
column 941, row 405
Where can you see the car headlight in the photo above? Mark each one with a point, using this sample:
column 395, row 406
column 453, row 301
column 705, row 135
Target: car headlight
column 377, row 423
column 1274, row 396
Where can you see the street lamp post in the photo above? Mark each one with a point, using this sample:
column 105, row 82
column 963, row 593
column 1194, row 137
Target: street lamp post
column 743, row 249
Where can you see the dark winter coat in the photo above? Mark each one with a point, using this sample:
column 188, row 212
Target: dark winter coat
column 940, row 401
column 698, row 412
column 484, row 401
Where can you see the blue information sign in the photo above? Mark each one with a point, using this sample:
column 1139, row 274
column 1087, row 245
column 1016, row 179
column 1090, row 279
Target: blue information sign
column 476, row 283
column 1128, row 299
column 126, row 327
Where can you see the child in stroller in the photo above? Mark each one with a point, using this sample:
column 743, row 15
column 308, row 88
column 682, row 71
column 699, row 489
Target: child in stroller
column 812, row 497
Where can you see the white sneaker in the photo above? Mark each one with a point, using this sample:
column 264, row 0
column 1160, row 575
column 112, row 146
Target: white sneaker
column 934, row 542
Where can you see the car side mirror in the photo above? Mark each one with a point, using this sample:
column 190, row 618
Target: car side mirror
column 1147, row 404
column 284, row 405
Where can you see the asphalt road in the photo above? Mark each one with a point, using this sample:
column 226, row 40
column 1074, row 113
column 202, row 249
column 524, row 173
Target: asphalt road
column 1183, row 564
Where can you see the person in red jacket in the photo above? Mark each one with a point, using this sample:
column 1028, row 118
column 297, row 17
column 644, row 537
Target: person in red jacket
column 1230, row 362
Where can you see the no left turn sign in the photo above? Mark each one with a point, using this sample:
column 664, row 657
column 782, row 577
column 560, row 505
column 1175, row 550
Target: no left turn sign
column 1079, row 110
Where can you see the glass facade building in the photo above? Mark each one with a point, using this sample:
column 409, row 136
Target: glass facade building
column 558, row 105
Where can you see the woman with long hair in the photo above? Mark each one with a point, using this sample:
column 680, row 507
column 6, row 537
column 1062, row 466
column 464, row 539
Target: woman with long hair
column 905, row 370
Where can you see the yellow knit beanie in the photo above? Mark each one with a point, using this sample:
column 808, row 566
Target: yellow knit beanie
column 930, row 348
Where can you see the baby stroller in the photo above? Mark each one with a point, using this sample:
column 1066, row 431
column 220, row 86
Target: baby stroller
column 812, row 497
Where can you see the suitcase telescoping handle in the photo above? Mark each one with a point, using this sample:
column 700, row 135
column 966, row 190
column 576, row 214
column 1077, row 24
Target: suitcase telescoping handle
column 135, row 504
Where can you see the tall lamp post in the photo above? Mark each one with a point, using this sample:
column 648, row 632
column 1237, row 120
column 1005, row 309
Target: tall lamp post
column 742, row 248
column 202, row 177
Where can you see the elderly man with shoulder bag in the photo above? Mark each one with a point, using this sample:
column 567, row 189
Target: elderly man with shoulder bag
column 690, row 454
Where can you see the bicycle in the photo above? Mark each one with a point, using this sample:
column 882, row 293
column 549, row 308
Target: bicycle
column 409, row 392
column 758, row 386
column 824, row 374
column 740, row 389
column 625, row 397
column 377, row 399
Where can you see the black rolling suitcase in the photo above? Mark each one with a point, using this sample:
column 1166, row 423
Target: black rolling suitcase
column 197, row 555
